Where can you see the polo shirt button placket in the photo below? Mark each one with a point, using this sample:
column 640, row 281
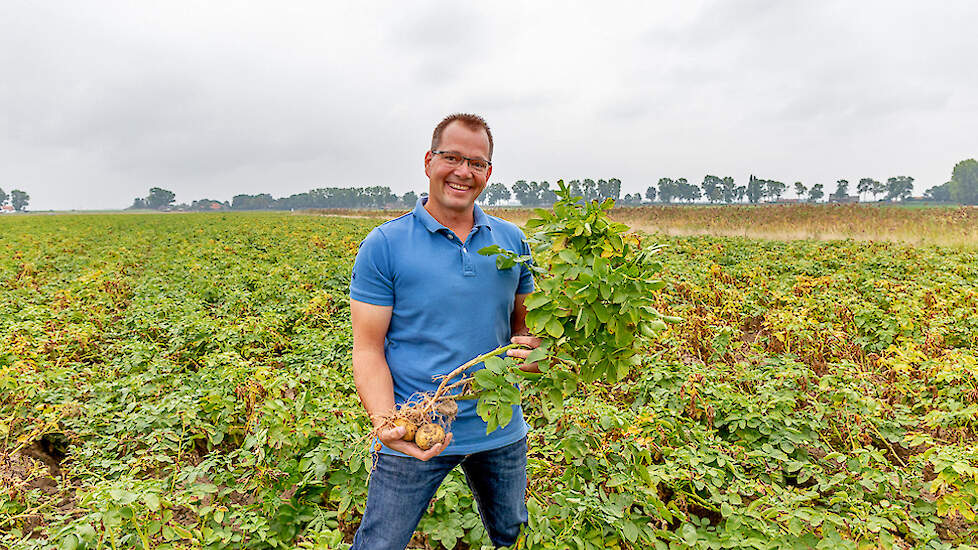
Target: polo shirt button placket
column 468, row 270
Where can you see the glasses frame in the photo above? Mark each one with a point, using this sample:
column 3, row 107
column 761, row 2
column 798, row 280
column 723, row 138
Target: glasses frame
column 468, row 160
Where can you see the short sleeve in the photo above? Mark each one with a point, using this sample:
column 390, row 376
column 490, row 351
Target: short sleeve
column 372, row 280
column 526, row 275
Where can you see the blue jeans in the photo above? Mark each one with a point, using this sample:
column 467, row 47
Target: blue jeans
column 401, row 488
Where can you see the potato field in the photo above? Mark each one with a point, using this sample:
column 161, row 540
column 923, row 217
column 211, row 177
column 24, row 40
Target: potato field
column 184, row 381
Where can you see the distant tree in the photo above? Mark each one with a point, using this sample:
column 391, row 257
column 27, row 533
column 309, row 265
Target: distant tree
column 899, row 187
column 206, row 205
column 728, row 189
column 878, row 189
column 687, row 191
column 3, row 197
column 533, row 193
column 19, row 199
column 590, row 188
column 841, row 189
column 265, row 201
column 755, row 190
column 159, row 198
column 609, row 189
column 740, row 192
column 523, row 193
column 712, row 188
column 816, row 192
column 668, row 189
column 409, row 199
column 545, row 194
column 964, row 182
column 575, row 188
column 774, row 189
column 865, row 186
column 650, row 193
column 800, row 189
column 139, row 203
column 377, row 196
column 631, row 200
column 939, row 193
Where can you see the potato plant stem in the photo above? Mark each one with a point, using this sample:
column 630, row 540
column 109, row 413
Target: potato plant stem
column 30, row 512
column 450, row 387
column 462, row 368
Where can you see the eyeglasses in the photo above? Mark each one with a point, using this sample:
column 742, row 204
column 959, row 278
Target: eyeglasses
column 454, row 158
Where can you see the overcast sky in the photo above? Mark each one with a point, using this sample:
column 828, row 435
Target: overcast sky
column 99, row 101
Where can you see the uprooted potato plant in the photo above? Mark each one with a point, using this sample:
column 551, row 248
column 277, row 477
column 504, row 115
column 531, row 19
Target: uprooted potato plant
column 594, row 308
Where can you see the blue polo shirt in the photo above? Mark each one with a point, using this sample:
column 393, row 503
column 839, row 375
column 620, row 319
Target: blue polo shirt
column 450, row 305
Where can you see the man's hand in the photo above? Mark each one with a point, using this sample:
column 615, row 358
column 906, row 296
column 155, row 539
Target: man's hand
column 392, row 438
column 532, row 343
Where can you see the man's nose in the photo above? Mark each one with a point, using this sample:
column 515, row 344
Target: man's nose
column 463, row 169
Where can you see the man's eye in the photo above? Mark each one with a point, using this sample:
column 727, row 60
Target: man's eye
column 454, row 159
column 478, row 164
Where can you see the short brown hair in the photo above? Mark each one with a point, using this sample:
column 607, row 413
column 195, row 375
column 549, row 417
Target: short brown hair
column 472, row 122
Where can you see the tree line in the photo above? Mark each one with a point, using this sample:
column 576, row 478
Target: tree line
column 715, row 190
column 17, row 198
column 330, row 197
column 962, row 189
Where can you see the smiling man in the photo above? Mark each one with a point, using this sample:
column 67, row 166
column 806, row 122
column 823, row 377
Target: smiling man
column 423, row 301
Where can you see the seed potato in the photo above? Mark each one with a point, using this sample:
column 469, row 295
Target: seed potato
column 447, row 407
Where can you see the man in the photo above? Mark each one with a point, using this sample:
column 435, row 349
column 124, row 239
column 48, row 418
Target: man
column 424, row 301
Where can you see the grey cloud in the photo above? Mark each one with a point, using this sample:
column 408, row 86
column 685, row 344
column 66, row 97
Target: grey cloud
column 443, row 42
column 520, row 101
column 861, row 105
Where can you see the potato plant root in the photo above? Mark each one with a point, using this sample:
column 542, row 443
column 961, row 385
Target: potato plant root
column 438, row 407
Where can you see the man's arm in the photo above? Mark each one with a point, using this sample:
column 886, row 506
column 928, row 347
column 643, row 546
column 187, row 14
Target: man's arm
column 521, row 334
column 372, row 375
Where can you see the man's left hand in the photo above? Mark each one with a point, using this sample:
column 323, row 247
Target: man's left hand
column 531, row 343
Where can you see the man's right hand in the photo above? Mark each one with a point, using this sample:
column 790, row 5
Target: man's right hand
column 392, row 438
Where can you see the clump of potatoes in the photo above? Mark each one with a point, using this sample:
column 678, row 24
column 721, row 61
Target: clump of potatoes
column 424, row 421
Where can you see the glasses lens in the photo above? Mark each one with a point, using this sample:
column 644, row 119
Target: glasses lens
column 478, row 165
column 452, row 158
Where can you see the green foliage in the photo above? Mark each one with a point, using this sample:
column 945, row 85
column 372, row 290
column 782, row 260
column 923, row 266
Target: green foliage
column 594, row 305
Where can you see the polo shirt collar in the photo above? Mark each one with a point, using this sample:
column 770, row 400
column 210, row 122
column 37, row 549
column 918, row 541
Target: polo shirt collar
column 480, row 218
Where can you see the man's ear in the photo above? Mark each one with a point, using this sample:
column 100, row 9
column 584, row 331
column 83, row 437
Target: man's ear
column 427, row 162
column 488, row 174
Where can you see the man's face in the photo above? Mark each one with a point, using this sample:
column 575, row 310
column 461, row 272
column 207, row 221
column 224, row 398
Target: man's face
column 455, row 188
